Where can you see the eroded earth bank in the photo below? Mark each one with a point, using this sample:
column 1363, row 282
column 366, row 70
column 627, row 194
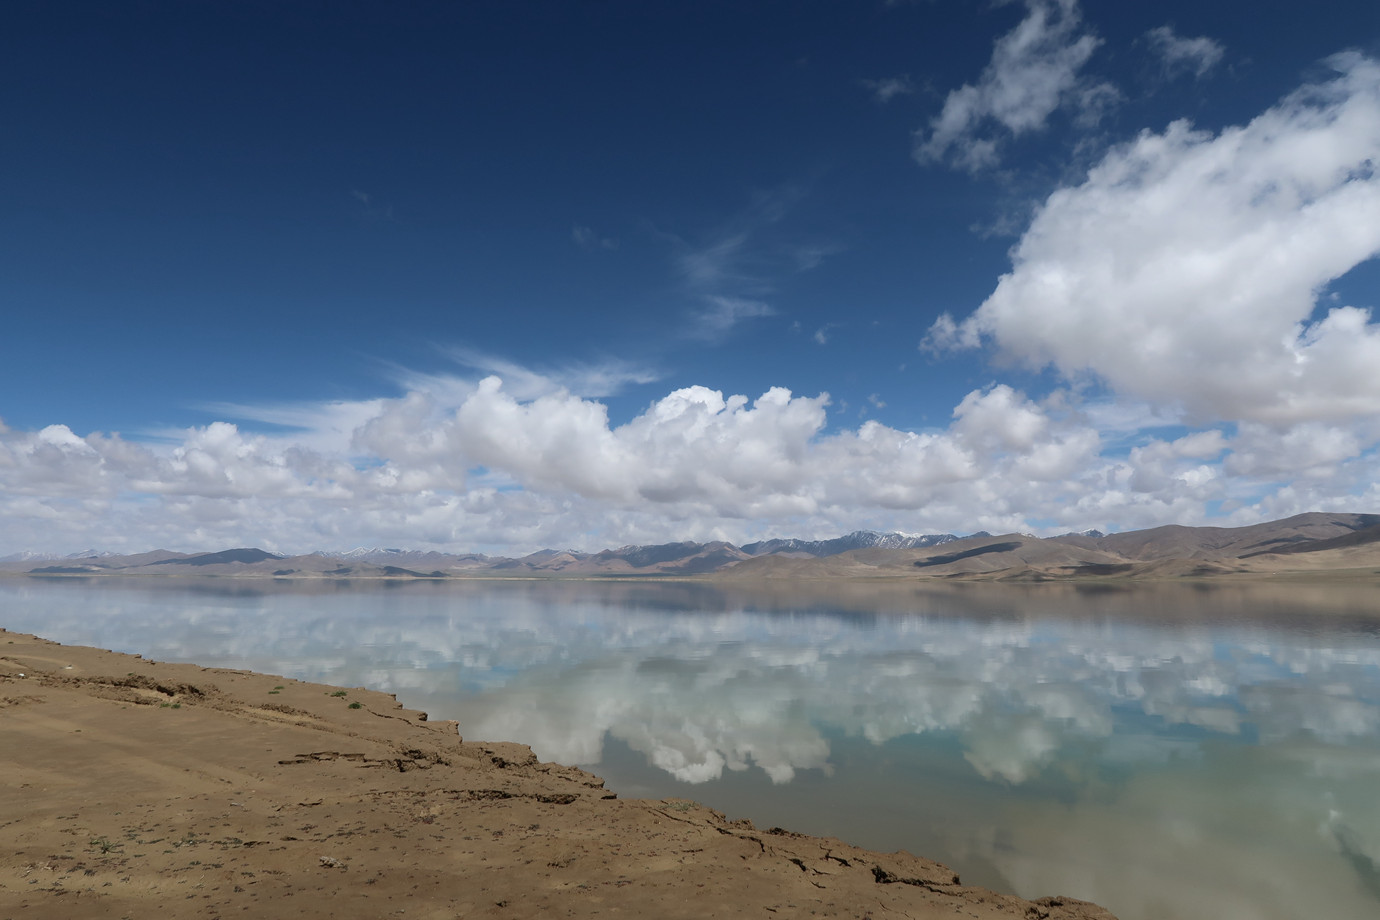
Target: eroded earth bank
column 134, row 788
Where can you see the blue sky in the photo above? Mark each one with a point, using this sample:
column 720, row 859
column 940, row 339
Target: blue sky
column 491, row 275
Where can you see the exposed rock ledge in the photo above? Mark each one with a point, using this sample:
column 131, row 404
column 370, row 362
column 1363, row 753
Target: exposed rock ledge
column 134, row 788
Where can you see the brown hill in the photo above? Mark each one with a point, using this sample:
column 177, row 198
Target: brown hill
column 1313, row 542
column 1177, row 542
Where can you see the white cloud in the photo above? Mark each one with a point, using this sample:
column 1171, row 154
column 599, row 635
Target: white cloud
column 999, row 418
column 732, row 273
column 323, row 427
column 822, row 334
column 583, row 378
column 472, row 464
column 1180, row 55
column 475, row 465
column 370, row 210
column 586, row 238
column 1034, row 71
column 1186, row 269
column 716, row 263
column 1311, row 450
column 810, row 256
column 886, row 89
column 720, row 314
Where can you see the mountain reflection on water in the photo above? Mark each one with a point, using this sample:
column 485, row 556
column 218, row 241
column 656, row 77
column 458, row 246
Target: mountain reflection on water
column 1167, row 750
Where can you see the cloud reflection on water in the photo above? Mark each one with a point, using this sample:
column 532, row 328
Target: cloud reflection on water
column 1222, row 744
column 700, row 684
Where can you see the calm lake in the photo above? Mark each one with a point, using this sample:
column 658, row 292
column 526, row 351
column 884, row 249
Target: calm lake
column 1169, row 751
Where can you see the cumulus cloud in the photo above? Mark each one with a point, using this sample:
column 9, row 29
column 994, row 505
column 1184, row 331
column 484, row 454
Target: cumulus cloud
column 1180, row 55
column 471, row 463
column 494, row 472
column 1186, row 269
column 466, row 464
column 1034, row 71
column 1160, row 466
column 1308, row 451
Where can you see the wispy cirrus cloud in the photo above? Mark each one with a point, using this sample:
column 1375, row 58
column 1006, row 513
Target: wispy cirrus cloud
column 718, row 263
column 370, row 208
column 823, row 333
column 721, row 314
column 586, row 238
column 1179, row 55
column 733, row 271
column 590, row 379
column 888, row 88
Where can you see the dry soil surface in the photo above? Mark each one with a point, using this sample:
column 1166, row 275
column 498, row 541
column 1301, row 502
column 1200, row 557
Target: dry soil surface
column 134, row 788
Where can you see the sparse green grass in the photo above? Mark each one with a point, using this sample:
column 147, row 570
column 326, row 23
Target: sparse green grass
column 356, row 706
column 339, row 693
column 105, row 844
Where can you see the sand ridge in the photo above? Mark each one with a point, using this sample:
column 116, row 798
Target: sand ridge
column 135, row 788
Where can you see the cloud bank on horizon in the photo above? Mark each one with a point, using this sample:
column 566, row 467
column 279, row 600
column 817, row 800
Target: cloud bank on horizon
column 1183, row 335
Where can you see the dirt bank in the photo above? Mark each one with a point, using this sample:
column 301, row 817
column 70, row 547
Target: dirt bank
column 133, row 788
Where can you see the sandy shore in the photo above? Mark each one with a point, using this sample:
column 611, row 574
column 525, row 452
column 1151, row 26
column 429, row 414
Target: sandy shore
column 134, row 788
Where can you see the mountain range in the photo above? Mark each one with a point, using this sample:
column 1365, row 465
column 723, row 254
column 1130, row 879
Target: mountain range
column 1312, row 542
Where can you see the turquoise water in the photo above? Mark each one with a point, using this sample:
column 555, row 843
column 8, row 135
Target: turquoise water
column 1168, row 751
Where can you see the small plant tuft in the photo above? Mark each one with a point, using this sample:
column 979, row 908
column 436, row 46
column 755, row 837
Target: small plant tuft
column 339, row 693
column 356, row 706
column 104, row 844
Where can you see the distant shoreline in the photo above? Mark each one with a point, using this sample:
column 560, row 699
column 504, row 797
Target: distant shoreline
column 1021, row 578
column 1325, row 544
